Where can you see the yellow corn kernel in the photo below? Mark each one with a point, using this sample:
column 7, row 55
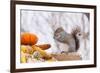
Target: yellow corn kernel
column 23, row 49
column 23, row 59
column 42, row 52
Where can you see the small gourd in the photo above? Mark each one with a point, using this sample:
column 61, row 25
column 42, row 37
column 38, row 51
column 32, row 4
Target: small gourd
column 28, row 39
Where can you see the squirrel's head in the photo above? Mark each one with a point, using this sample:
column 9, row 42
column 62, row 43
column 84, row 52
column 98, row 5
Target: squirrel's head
column 79, row 35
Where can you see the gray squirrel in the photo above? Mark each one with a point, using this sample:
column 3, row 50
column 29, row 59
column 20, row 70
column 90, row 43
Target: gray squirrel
column 71, row 39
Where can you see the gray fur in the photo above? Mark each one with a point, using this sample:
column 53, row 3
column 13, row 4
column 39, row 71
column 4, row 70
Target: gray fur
column 61, row 36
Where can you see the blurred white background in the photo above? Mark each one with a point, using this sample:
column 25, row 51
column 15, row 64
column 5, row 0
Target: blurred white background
column 5, row 36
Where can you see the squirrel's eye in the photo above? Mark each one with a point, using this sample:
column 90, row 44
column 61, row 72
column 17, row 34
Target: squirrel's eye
column 79, row 34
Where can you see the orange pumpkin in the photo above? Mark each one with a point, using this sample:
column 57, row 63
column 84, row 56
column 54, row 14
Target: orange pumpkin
column 28, row 39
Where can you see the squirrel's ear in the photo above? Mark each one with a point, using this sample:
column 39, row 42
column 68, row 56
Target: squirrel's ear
column 75, row 30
